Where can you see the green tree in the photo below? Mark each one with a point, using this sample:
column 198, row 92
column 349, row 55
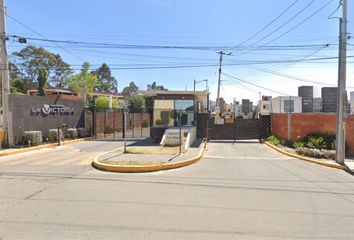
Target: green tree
column 135, row 103
column 106, row 82
column 103, row 102
column 155, row 87
column 130, row 89
column 18, row 85
column 84, row 82
column 30, row 59
column 42, row 79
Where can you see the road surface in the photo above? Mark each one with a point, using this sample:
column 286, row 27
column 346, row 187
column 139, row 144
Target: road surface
column 238, row 191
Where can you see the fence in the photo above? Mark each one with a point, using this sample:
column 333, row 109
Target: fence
column 117, row 124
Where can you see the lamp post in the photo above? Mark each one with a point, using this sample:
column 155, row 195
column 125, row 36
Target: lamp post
column 196, row 82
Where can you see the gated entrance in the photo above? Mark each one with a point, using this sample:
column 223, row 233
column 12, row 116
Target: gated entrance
column 236, row 130
column 117, row 124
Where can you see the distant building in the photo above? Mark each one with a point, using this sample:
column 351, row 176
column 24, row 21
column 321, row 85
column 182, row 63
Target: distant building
column 317, row 105
column 265, row 105
column 286, row 104
column 306, row 93
column 222, row 104
column 352, row 102
column 246, row 106
column 329, row 99
column 56, row 93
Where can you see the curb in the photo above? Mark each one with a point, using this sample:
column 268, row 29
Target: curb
column 307, row 159
column 151, row 168
column 29, row 149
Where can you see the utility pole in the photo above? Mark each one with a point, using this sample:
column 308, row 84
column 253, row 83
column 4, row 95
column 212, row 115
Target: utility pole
column 341, row 91
column 5, row 79
column 221, row 53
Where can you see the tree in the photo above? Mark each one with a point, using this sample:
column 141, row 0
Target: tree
column 84, row 82
column 135, row 103
column 103, row 102
column 107, row 83
column 18, row 85
column 42, row 79
column 31, row 59
column 130, row 89
column 155, row 87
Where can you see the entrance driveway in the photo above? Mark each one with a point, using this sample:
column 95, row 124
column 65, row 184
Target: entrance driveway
column 238, row 191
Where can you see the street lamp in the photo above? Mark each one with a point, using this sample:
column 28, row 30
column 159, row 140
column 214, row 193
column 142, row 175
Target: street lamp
column 196, row 82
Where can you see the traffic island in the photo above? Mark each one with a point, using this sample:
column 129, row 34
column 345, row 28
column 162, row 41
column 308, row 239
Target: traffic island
column 148, row 158
column 322, row 162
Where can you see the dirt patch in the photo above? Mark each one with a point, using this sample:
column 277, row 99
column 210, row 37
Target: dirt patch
column 130, row 163
column 153, row 150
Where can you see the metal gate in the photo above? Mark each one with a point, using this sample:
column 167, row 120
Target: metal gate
column 238, row 129
column 117, row 124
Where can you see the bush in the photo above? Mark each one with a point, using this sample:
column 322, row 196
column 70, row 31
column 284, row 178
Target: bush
column 103, row 102
column 159, row 122
column 71, row 133
column 32, row 137
column 81, row 132
column 316, row 153
column 299, row 144
column 317, row 143
column 52, row 135
column 273, row 140
column 329, row 139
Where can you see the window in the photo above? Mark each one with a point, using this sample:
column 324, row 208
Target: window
column 287, row 106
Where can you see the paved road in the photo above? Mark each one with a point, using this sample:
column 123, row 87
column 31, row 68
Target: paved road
column 240, row 191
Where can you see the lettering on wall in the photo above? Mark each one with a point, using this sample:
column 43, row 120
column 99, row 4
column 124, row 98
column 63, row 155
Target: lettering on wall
column 52, row 109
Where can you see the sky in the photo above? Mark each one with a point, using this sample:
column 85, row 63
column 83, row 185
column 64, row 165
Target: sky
column 253, row 68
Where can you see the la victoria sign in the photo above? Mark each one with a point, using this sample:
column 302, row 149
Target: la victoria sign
column 51, row 109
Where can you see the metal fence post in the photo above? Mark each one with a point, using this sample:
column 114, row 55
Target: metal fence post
column 104, row 124
column 180, row 132
column 114, row 123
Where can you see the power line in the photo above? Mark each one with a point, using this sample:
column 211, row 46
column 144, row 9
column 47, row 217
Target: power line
column 285, row 23
column 294, row 77
column 39, row 34
column 181, row 47
column 266, row 26
column 302, row 22
column 253, row 84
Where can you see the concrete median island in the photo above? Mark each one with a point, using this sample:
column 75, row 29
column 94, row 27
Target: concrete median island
column 146, row 157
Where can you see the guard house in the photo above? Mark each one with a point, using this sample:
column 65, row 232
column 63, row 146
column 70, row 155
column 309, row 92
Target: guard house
column 168, row 104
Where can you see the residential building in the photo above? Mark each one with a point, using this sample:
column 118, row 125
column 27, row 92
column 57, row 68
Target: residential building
column 306, row 93
column 317, row 104
column 246, row 106
column 265, row 105
column 352, row 102
column 329, row 99
column 55, row 93
column 286, row 104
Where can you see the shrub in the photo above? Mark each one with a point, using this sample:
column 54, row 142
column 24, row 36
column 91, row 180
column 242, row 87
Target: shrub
column 71, row 133
column 317, row 143
column 52, row 135
column 329, row 139
column 299, row 144
column 273, row 140
column 103, row 102
column 316, row 153
column 32, row 137
column 81, row 132
column 159, row 122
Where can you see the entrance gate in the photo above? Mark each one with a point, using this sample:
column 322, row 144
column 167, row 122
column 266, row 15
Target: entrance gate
column 239, row 129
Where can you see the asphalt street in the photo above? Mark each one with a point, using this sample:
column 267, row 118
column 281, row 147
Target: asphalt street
column 237, row 191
